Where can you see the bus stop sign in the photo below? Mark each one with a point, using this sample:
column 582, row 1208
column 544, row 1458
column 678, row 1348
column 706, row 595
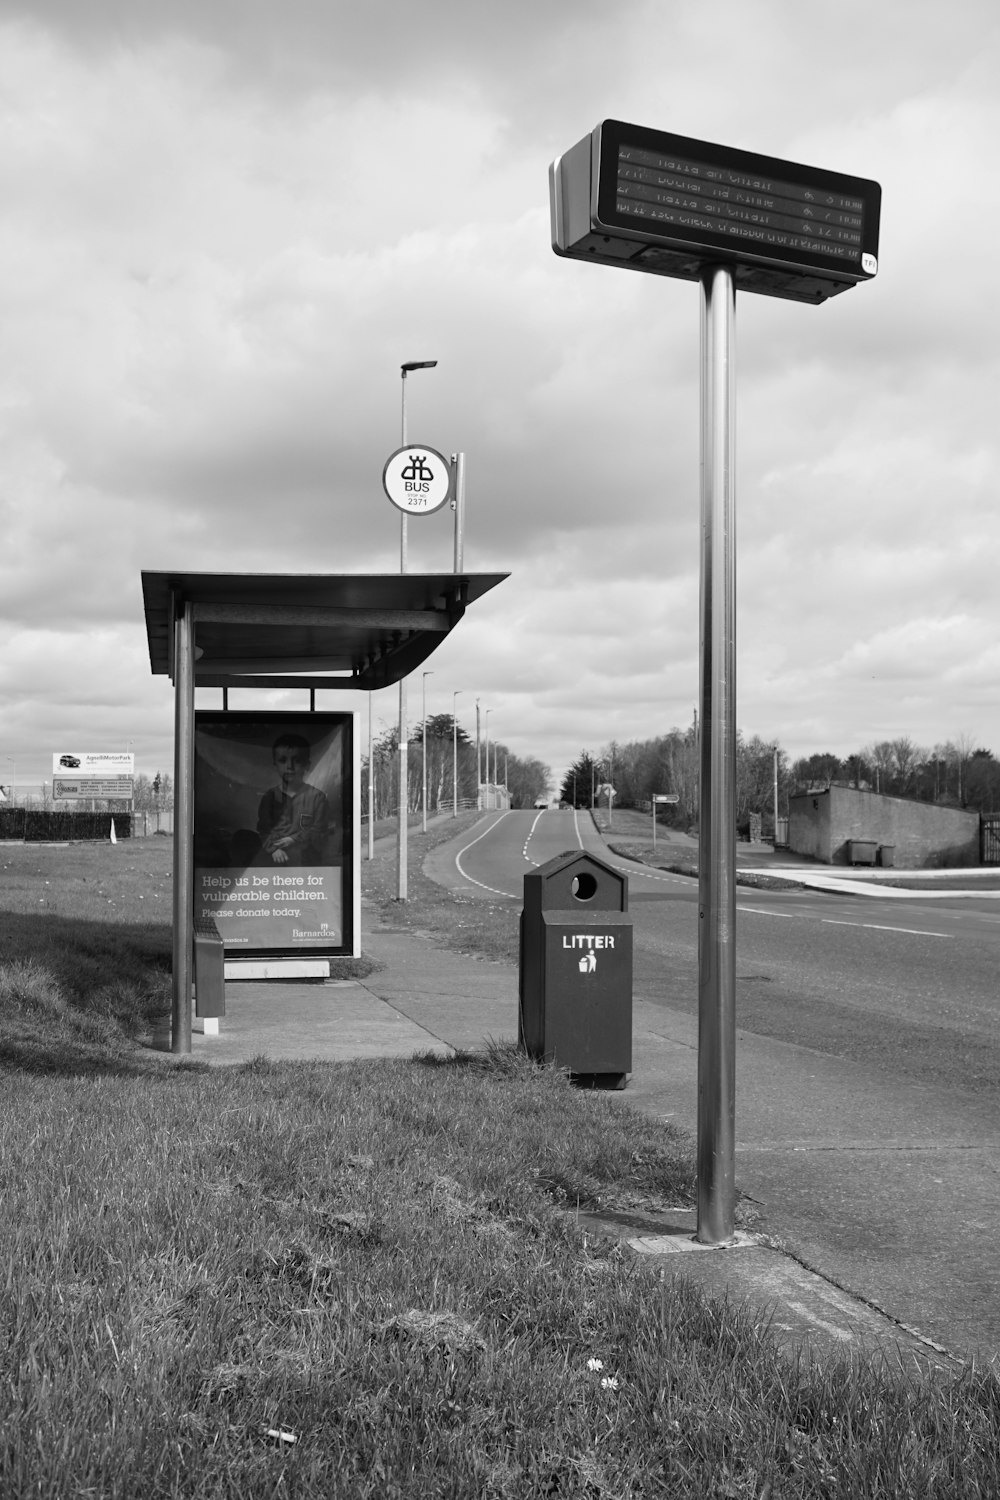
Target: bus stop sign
column 671, row 205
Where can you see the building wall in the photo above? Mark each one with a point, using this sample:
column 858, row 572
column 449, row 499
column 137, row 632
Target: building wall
column 924, row 835
column 809, row 825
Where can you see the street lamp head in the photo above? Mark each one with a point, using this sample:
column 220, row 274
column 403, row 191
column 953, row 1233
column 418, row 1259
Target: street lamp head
column 417, row 364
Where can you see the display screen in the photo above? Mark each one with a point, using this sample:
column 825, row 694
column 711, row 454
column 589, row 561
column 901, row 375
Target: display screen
column 679, row 191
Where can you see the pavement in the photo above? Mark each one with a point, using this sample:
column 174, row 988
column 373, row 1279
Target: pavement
column 853, row 1210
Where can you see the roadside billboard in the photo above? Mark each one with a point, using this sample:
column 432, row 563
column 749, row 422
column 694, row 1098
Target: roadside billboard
column 105, row 763
column 117, row 789
column 276, row 852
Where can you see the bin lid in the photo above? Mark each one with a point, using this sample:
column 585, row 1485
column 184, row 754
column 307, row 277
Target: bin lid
column 576, row 881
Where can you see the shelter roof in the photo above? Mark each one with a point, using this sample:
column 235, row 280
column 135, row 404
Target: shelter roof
column 331, row 630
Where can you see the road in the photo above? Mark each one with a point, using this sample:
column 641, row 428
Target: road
column 913, row 985
column 868, row 1060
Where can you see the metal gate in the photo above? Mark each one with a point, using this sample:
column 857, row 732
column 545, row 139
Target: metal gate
column 989, row 838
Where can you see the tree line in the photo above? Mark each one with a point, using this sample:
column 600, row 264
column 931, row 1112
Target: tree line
column 956, row 773
column 525, row 778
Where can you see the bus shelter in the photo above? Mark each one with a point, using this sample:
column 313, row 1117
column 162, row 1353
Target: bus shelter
column 340, row 632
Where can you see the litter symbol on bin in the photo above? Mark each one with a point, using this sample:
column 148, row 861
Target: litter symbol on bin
column 588, row 963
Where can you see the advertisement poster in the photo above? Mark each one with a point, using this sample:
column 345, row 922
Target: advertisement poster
column 273, row 822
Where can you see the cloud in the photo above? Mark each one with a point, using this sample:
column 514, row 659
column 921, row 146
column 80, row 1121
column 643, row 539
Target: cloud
column 227, row 225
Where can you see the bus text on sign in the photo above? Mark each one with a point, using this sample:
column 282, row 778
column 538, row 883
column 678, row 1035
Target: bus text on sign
column 671, row 205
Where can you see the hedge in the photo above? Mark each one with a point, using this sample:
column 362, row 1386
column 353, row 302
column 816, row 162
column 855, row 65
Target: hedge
column 36, row 825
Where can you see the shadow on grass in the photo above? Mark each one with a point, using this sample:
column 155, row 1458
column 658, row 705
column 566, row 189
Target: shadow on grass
column 78, row 997
column 86, row 956
column 64, row 1058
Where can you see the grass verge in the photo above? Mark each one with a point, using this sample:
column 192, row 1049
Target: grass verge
column 369, row 1279
column 467, row 924
column 347, row 1281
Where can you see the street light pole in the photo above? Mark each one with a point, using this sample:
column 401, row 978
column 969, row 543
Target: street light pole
column 401, row 888
column 423, row 705
column 454, row 755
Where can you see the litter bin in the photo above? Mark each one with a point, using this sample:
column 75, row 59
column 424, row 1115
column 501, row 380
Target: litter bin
column 576, row 968
column 887, row 856
column 861, row 851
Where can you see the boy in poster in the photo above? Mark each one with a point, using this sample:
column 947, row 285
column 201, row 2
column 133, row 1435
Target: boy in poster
column 293, row 818
column 273, row 857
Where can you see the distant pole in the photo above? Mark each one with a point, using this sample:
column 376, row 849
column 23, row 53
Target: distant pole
column 717, row 830
column 776, row 796
column 479, row 766
column 401, row 862
column 611, row 782
column 454, row 754
column 487, row 757
column 423, row 798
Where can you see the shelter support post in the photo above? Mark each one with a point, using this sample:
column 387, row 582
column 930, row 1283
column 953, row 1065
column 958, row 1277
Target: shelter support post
column 180, row 1022
column 717, row 753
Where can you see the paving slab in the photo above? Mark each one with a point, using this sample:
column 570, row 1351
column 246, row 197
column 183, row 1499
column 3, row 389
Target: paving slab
column 329, row 1021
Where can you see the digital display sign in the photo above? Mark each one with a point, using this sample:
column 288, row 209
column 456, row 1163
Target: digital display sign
column 674, row 206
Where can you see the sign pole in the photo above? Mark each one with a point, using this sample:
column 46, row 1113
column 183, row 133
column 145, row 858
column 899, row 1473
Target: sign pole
column 717, row 826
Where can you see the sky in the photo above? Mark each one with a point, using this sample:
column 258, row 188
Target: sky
column 226, row 225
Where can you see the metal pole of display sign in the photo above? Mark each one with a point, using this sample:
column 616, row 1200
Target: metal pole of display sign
column 454, row 753
column 717, row 819
column 180, row 1029
column 401, row 860
column 458, row 505
column 371, row 785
